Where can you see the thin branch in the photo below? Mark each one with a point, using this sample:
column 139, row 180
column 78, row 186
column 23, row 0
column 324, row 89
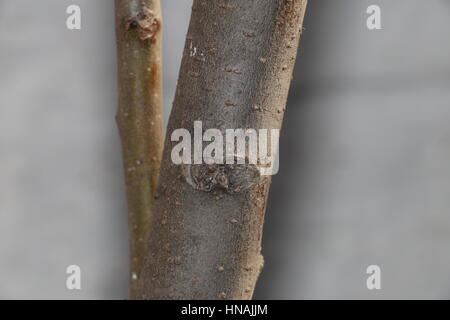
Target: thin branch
column 138, row 31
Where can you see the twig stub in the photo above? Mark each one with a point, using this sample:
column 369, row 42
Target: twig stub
column 146, row 23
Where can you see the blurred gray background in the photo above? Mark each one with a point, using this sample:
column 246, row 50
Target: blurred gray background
column 365, row 153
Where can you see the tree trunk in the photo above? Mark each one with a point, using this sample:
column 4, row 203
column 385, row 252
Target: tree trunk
column 205, row 243
column 138, row 31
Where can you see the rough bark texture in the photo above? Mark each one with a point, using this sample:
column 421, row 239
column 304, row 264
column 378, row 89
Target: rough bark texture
column 138, row 31
column 236, row 71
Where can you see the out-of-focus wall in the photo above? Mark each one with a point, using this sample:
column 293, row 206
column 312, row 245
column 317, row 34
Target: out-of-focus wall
column 365, row 152
column 61, row 197
column 365, row 157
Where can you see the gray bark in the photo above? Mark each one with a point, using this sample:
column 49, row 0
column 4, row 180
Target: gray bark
column 236, row 71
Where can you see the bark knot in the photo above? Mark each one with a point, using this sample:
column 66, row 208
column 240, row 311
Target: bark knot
column 232, row 178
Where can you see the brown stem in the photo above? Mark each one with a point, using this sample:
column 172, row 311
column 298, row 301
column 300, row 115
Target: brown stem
column 205, row 243
column 138, row 32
